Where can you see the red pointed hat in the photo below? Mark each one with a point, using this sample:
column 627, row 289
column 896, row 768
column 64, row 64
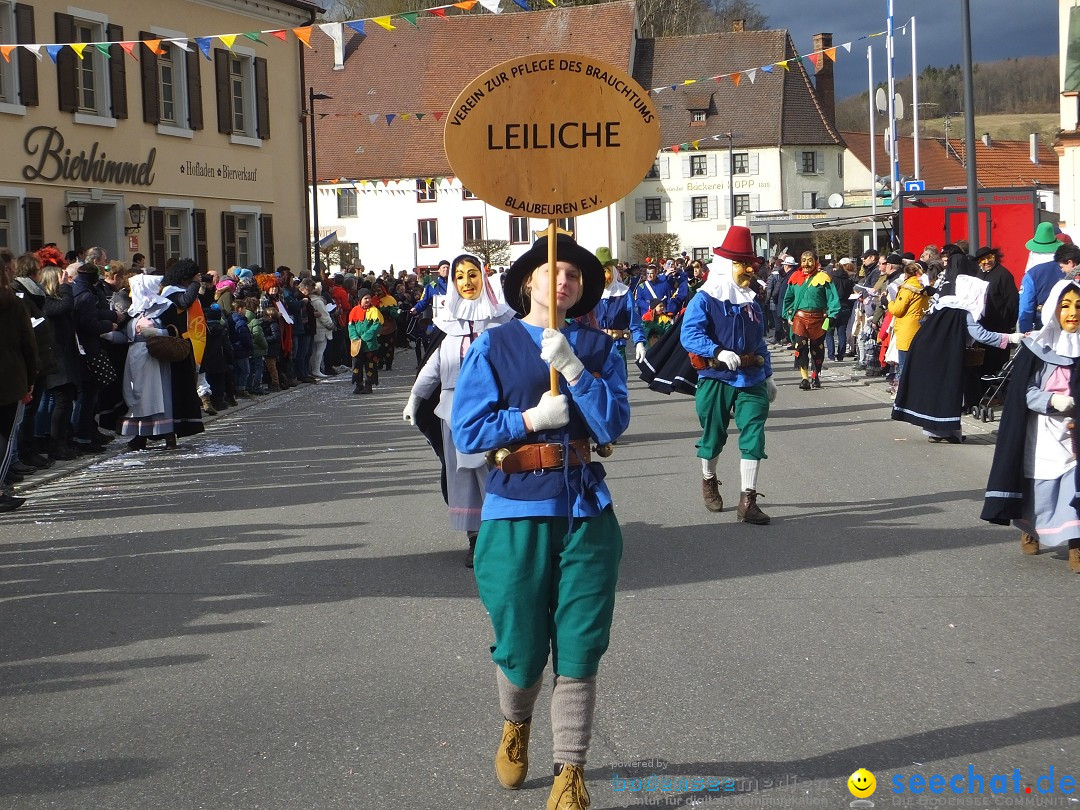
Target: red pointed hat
column 738, row 246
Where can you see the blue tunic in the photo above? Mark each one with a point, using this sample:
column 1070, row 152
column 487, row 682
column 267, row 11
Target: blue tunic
column 502, row 376
column 709, row 325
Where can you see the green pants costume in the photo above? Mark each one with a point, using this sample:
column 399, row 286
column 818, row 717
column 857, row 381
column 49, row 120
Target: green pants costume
column 546, row 590
column 715, row 401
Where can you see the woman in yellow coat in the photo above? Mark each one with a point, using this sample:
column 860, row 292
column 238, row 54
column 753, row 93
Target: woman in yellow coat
column 908, row 310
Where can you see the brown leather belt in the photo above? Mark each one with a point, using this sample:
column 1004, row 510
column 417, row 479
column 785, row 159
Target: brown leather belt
column 751, row 360
column 549, row 456
column 617, row 334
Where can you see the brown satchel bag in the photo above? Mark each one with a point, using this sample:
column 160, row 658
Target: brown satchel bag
column 169, row 348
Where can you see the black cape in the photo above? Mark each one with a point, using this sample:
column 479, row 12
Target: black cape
column 666, row 366
column 426, row 421
column 931, row 390
column 1004, row 501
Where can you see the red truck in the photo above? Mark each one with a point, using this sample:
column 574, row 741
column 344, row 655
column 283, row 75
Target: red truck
column 1007, row 216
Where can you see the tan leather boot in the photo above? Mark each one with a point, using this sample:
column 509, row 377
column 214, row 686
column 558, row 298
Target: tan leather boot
column 568, row 792
column 748, row 511
column 512, row 758
column 710, row 491
column 1028, row 544
column 1074, row 556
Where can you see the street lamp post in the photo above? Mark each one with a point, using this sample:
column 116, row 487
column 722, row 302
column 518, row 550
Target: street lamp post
column 317, row 261
column 731, row 176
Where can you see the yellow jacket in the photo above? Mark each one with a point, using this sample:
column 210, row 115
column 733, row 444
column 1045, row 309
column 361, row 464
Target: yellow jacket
column 908, row 309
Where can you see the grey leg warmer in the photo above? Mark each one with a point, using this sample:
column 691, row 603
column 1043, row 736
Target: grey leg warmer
column 516, row 703
column 572, row 706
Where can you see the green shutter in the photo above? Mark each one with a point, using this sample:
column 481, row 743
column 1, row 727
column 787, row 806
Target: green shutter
column 1072, row 54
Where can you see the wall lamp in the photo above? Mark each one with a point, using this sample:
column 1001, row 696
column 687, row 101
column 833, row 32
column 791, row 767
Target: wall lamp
column 75, row 212
column 138, row 217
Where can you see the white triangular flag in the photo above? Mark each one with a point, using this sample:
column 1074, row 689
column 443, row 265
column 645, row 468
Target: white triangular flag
column 750, row 74
column 846, row 46
column 491, row 5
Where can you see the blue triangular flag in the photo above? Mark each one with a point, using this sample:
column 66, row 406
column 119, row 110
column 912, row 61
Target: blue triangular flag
column 357, row 26
column 523, row 4
column 766, row 68
column 204, row 45
column 390, row 118
column 53, row 51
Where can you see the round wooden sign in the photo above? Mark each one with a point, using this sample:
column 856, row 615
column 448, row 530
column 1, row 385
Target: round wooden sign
column 552, row 135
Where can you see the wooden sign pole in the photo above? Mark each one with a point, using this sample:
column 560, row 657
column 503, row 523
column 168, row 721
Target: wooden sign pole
column 553, row 295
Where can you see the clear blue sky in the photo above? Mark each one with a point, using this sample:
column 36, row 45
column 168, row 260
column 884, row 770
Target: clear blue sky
column 999, row 29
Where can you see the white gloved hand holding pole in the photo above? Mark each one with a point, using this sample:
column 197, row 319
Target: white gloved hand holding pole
column 1062, row 403
column 729, row 359
column 770, row 386
column 409, row 414
column 550, row 412
column 556, row 351
column 639, row 352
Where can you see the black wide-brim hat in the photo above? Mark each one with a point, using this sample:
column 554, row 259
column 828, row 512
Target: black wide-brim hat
column 566, row 250
column 988, row 251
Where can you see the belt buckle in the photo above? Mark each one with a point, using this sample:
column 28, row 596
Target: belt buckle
column 562, row 454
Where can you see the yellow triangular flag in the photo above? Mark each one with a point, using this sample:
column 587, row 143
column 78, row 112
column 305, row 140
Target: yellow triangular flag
column 689, row 81
column 304, row 35
column 78, row 47
column 784, row 65
column 228, row 39
column 695, row 143
column 383, row 22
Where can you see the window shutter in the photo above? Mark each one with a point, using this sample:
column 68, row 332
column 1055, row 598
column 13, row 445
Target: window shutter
column 117, row 72
column 755, row 202
column 713, row 206
column 156, row 218
column 666, row 208
column 65, row 64
column 725, row 166
column 228, row 240
column 639, row 210
column 24, row 32
column 665, row 170
column 151, row 95
column 754, row 162
column 34, row 217
column 710, row 163
column 198, row 218
column 688, row 208
column 685, row 165
column 262, row 98
column 819, row 162
column 194, row 89
column 727, row 208
column 266, row 222
column 221, row 90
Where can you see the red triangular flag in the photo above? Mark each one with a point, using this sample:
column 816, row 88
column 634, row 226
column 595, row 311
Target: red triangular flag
column 438, row 12
column 438, row 115
column 279, row 34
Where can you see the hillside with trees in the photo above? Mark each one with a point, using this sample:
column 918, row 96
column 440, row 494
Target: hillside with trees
column 1009, row 87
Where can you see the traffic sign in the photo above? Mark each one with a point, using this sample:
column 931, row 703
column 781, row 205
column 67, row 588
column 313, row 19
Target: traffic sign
column 914, row 185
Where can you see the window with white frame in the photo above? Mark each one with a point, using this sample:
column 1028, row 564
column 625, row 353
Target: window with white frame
column 173, row 234
column 654, row 209
column 473, row 230
column 699, row 207
column 703, row 255
column 697, row 116
column 654, row 171
column 242, row 93
column 90, row 70
column 172, row 85
column 425, row 190
column 7, row 212
column 567, row 224
column 741, row 162
column 467, row 195
column 9, row 82
column 699, row 166
column 346, row 202
column 519, row 230
column 245, row 239
column 742, row 204
column 428, row 232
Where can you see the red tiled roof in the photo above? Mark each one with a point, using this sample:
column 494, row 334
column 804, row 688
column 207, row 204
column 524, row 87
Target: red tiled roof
column 776, row 108
column 423, row 69
column 1004, row 164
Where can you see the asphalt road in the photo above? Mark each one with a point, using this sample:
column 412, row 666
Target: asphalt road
column 278, row 617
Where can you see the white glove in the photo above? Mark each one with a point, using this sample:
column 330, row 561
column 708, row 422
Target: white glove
column 550, row 412
column 729, row 359
column 770, row 386
column 1016, row 337
column 555, row 351
column 409, row 414
column 1061, row 403
column 639, row 352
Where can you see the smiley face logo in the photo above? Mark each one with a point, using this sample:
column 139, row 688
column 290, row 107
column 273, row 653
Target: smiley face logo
column 862, row 784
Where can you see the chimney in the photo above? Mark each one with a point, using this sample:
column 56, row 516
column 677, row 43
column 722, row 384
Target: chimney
column 823, row 79
column 987, row 140
column 1033, row 139
column 738, row 26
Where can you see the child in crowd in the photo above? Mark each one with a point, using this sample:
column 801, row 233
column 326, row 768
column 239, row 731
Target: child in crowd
column 365, row 321
column 216, row 356
column 271, row 330
column 656, row 322
column 258, row 341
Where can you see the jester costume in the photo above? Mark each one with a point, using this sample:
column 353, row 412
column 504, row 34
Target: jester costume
column 810, row 303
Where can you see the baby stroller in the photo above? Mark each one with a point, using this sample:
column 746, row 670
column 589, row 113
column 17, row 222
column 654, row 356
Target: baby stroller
column 995, row 392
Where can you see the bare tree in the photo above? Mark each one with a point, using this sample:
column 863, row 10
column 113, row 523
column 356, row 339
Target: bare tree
column 656, row 245
column 834, row 242
column 493, row 252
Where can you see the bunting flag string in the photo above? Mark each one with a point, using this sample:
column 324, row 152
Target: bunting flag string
column 816, row 58
column 54, row 49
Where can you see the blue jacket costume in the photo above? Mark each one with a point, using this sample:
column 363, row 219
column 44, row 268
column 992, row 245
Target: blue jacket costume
column 648, row 290
column 619, row 314
column 1034, row 289
column 709, row 325
column 490, row 417
column 438, row 287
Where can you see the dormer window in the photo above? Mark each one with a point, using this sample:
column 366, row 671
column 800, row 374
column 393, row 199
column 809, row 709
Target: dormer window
column 697, row 116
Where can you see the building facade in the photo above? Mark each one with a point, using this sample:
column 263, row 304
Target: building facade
column 153, row 136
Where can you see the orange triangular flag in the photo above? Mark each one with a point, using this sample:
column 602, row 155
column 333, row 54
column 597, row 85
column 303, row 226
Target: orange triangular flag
column 467, row 5
column 154, row 45
column 6, row 51
column 736, row 78
column 304, row 35
column 279, row 34
column 831, row 53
